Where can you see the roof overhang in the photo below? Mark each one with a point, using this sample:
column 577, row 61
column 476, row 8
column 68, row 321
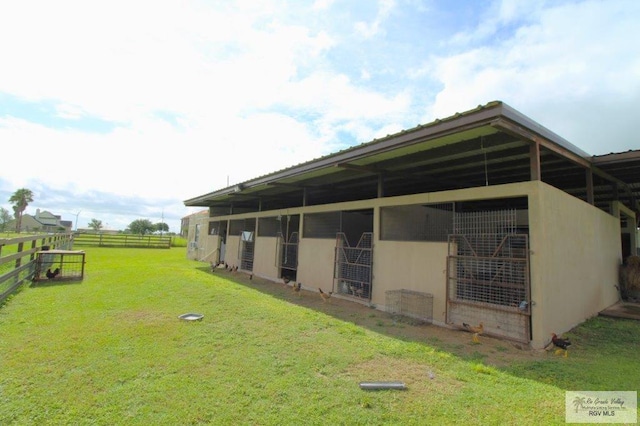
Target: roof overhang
column 491, row 144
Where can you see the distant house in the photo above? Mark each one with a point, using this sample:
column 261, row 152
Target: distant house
column 482, row 217
column 42, row 221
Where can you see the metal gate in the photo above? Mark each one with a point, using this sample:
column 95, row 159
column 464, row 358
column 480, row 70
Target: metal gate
column 287, row 254
column 352, row 266
column 488, row 282
column 246, row 247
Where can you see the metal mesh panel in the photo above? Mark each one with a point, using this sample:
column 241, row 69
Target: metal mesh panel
column 409, row 303
column 246, row 255
column 236, row 226
column 486, row 269
column 217, row 227
column 268, row 226
column 289, row 252
column 488, row 274
column 322, row 225
column 60, row 265
column 431, row 222
column 500, row 222
column 352, row 268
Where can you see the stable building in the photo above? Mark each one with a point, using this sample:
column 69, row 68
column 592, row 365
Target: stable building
column 481, row 217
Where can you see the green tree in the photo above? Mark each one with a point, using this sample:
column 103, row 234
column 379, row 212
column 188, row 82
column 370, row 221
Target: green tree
column 141, row 226
column 95, row 224
column 5, row 217
column 20, row 200
column 162, row 227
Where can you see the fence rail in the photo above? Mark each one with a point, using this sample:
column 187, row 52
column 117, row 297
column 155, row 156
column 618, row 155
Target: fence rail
column 18, row 258
column 122, row 240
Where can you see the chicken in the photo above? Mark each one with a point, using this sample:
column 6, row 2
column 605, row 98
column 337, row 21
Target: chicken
column 477, row 331
column 52, row 275
column 325, row 296
column 286, row 281
column 213, row 266
column 297, row 287
column 562, row 344
column 356, row 291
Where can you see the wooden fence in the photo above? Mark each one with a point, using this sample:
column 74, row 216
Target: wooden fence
column 17, row 258
column 122, row 240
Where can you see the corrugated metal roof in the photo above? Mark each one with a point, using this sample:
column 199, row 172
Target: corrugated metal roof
column 489, row 144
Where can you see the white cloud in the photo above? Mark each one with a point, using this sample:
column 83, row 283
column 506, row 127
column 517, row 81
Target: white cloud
column 192, row 94
column 566, row 58
column 371, row 29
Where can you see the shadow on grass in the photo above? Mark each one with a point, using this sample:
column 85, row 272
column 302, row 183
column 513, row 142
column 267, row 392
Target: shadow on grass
column 54, row 283
column 603, row 355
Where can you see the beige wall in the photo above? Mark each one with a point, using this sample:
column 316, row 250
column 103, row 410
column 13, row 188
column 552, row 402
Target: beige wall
column 204, row 249
column 418, row 266
column 315, row 263
column 575, row 253
column 231, row 254
column 264, row 261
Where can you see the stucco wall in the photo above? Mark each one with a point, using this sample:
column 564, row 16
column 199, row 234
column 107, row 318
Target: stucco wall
column 231, row 255
column 575, row 253
column 418, row 266
column 315, row 263
column 202, row 249
column 264, row 261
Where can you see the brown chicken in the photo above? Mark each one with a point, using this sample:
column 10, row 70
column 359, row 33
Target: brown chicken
column 297, row 287
column 325, row 296
column 476, row 330
column 561, row 344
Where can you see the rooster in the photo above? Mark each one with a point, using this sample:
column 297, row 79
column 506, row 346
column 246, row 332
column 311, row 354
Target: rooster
column 325, row 296
column 477, row 331
column 52, row 275
column 561, row 344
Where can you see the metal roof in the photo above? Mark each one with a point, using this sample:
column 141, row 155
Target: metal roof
column 488, row 145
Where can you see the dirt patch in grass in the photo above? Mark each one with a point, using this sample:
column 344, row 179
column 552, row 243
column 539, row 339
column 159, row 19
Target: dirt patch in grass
column 414, row 375
column 490, row 351
column 137, row 316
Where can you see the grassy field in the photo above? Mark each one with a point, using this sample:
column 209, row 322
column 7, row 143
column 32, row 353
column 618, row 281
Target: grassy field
column 110, row 350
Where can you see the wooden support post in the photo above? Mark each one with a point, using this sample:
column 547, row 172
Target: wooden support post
column 380, row 185
column 589, row 177
column 534, row 161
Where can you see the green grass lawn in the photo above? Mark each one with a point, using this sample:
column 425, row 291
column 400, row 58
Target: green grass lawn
column 110, row 350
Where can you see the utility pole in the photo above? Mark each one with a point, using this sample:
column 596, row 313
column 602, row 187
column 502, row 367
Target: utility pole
column 77, row 214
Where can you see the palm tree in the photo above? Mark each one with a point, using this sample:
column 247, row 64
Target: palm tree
column 20, row 200
column 578, row 402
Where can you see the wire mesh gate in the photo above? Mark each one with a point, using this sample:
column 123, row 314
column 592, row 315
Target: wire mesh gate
column 247, row 246
column 352, row 266
column 488, row 282
column 287, row 254
column 488, row 274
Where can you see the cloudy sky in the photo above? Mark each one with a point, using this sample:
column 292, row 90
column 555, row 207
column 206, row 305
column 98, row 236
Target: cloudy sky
column 121, row 110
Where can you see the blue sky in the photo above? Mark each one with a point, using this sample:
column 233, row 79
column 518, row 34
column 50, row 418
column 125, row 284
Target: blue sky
column 121, row 110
